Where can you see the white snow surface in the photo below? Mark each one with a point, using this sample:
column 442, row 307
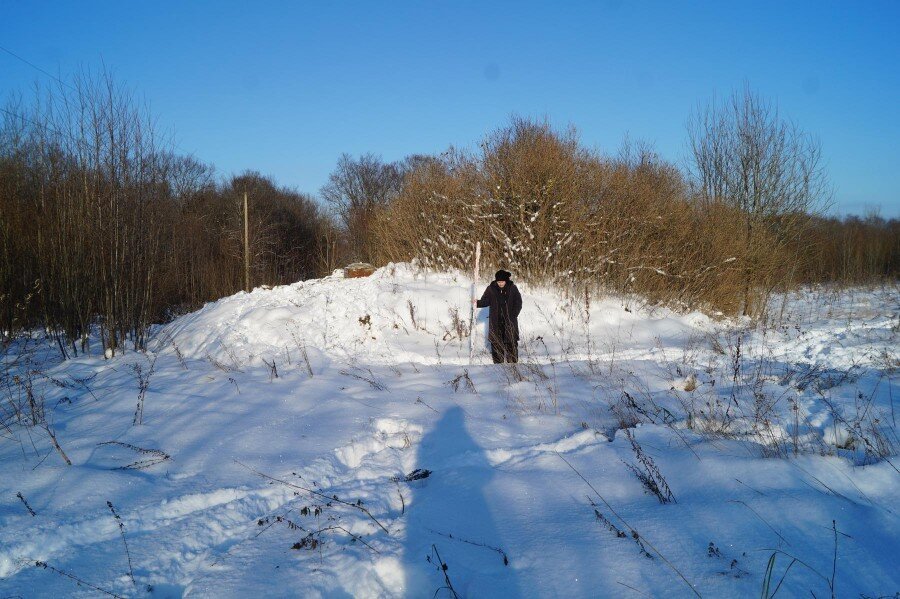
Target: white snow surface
column 293, row 417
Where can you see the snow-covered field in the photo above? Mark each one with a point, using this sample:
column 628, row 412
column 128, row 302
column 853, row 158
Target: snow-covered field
column 285, row 436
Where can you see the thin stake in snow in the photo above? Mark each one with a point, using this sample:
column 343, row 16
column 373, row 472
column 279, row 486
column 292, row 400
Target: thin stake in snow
column 472, row 308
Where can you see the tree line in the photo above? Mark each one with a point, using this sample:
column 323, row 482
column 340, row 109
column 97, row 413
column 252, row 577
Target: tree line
column 106, row 227
column 743, row 219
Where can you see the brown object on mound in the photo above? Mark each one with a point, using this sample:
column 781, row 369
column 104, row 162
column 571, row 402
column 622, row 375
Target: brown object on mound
column 358, row 269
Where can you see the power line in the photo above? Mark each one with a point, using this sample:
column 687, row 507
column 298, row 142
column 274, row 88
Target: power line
column 34, row 66
column 175, row 144
column 42, row 126
column 25, row 118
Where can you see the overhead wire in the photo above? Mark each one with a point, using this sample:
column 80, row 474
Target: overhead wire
column 61, row 82
column 37, row 68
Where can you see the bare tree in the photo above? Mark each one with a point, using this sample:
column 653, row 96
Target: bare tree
column 357, row 189
column 104, row 229
column 745, row 155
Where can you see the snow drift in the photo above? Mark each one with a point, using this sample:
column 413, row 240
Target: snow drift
column 330, row 438
column 401, row 313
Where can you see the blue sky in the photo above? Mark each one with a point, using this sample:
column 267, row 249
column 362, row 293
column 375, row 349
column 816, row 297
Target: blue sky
column 285, row 88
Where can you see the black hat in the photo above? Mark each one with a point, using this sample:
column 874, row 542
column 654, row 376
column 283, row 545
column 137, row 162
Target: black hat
column 502, row 275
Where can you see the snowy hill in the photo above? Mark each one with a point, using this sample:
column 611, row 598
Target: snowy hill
column 399, row 314
column 330, row 438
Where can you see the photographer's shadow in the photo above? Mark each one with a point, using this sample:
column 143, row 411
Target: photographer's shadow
column 448, row 516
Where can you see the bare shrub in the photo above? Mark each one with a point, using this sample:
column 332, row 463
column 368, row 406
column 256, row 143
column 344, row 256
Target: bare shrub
column 459, row 327
column 412, row 315
column 462, row 380
column 23, row 406
column 143, row 376
column 647, row 472
column 555, row 212
column 272, row 368
column 366, row 375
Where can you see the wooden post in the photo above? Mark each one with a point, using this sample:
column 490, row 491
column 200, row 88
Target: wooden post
column 246, row 247
column 472, row 311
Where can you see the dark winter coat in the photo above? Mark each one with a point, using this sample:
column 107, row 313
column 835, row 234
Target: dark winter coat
column 505, row 305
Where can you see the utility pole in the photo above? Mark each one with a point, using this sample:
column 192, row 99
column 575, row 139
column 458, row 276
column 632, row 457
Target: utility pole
column 246, row 247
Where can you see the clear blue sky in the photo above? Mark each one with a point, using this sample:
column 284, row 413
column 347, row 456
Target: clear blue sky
column 286, row 87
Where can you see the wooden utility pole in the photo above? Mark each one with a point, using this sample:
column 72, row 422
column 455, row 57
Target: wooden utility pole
column 246, row 247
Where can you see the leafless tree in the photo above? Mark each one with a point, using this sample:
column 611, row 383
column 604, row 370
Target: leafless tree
column 103, row 228
column 356, row 190
column 745, row 155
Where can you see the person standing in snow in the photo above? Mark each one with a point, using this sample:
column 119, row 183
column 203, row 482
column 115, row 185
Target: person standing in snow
column 505, row 302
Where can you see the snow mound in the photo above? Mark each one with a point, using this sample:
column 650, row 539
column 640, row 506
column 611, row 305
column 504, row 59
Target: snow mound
column 400, row 314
